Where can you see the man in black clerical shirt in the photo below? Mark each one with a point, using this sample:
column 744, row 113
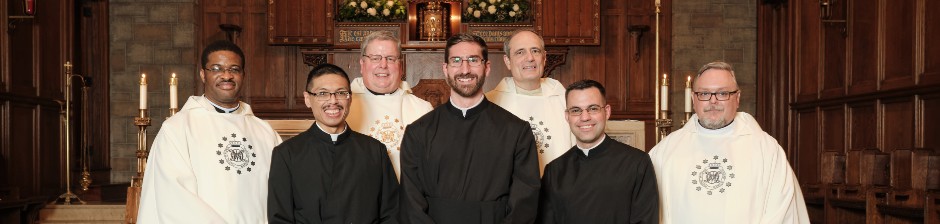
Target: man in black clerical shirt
column 468, row 160
column 599, row 180
column 330, row 174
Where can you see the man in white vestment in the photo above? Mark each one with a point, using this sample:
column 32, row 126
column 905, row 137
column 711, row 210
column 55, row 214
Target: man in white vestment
column 382, row 104
column 209, row 163
column 721, row 167
column 537, row 100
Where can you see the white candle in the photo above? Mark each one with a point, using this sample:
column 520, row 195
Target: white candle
column 688, row 94
column 173, row 83
column 664, row 94
column 657, row 2
column 143, row 91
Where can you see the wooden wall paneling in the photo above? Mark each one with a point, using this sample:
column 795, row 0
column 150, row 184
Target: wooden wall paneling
column 615, row 44
column 23, row 166
column 50, row 164
column 834, row 57
column 898, row 46
column 772, row 51
column 898, row 126
column 22, row 54
column 563, row 22
column 863, row 34
column 931, row 122
column 833, row 138
column 93, row 57
column 807, row 142
column 931, row 48
column 5, row 149
column 300, row 22
column 863, row 126
column 53, row 48
column 639, row 88
column 809, row 56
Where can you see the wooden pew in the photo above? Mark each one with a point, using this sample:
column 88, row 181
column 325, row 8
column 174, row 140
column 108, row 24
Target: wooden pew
column 910, row 181
column 832, row 176
column 866, row 174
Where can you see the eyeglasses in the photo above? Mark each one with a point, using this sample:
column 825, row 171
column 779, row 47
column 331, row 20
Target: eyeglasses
column 720, row 96
column 325, row 96
column 454, row 62
column 378, row 58
column 234, row 70
column 577, row 111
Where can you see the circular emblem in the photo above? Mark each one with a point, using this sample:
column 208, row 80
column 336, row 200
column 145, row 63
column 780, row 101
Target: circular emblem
column 236, row 154
column 388, row 131
column 713, row 175
column 542, row 137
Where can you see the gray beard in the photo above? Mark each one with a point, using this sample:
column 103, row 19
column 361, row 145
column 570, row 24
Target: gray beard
column 714, row 124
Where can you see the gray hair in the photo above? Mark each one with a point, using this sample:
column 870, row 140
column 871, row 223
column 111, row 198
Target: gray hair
column 516, row 32
column 380, row 35
column 719, row 65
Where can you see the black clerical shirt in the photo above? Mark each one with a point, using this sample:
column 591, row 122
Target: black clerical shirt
column 614, row 183
column 314, row 180
column 478, row 168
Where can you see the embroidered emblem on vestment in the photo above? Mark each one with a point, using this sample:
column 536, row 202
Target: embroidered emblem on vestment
column 713, row 175
column 388, row 131
column 236, row 154
column 542, row 136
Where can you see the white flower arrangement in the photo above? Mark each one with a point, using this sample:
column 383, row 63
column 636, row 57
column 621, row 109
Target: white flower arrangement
column 497, row 11
column 372, row 11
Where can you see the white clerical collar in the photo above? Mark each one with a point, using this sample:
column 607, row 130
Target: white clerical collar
column 332, row 136
column 721, row 131
column 585, row 150
column 534, row 92
column 221, row 108
column 464, row 110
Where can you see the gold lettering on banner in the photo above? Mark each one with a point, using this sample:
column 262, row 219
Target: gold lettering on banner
column 493, row 35
column 353, row 36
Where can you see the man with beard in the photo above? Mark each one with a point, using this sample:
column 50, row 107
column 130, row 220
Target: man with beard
column 209, row 162
column 330, row 174
column 540, row 101
column 721, row 167
column 468, row 160
column 599, row 180
column 382, row 104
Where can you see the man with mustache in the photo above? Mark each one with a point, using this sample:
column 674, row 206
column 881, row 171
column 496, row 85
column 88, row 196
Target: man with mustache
column 330, row 174
column 209, row 162
column 721, row 167
column 538, row 100
column 599, row 180
column 468, row 160
column 382, row 104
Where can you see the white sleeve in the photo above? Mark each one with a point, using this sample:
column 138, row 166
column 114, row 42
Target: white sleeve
column 784, row 200
column 173, row 197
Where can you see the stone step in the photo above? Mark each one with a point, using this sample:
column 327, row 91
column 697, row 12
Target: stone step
column 90, row 213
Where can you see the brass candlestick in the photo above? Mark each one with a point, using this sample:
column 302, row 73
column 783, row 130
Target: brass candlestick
column 67, row 116
column 133, row 192
column 661, row 121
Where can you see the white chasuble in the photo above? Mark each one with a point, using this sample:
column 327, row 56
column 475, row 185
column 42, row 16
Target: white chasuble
column 208, row 167
column 545, row 114
column 736, row 174
column 384, row 117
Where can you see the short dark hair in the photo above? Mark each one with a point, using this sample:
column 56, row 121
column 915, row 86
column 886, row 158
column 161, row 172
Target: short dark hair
column 465, row 37
column 585, row 84
column 222, row 45
column 324, row 69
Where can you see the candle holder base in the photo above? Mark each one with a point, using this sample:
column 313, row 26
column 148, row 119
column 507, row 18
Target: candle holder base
column 67, row 198
column 688, row 115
